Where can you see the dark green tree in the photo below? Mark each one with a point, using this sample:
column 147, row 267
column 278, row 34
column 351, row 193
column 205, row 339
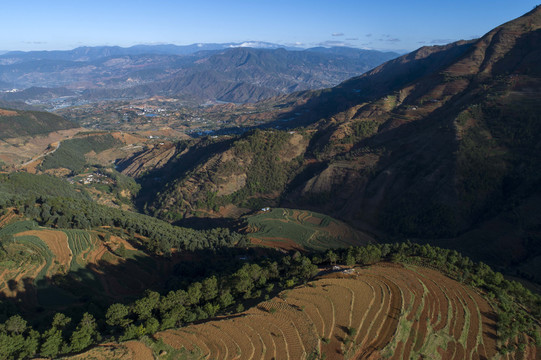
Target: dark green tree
column 85, row 334
column 117, row 315
column 16, row 325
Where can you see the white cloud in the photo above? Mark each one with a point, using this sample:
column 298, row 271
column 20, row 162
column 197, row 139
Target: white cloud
column 333, row 43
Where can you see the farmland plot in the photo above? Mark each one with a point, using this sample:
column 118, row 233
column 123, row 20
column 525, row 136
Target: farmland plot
column 301, row 229
column 385, row 310
column 57, row 242
column 83, row 260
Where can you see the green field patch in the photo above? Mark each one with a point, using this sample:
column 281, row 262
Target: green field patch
column 71, row 153
column 108, row 257
column 42, row 250
column 17, row 227
column 8, row 264
column 310, row 230
column 79, row 242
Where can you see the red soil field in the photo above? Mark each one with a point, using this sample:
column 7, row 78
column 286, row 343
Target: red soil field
column 381, row 311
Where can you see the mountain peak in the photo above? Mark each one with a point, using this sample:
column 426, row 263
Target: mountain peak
column 495, row 46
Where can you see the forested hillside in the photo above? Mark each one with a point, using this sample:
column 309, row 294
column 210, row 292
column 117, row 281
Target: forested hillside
column 18, row 123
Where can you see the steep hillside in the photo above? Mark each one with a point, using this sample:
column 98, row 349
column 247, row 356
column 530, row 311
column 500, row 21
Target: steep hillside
column 434, row 144
column 247, row 171
column 19, row 123
column 369, row 312
column 427, row 303
column 448, row 142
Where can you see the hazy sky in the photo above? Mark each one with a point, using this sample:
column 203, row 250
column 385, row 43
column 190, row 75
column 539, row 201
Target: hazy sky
column 393, row 25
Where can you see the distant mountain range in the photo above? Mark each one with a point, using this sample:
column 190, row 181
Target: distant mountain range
column 90, row 53
column 234, row 72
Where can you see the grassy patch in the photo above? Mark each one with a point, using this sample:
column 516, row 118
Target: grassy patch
column 42, row 251
column 308, row 229
column 161, row 350
column 17, row 227
column 79, row 241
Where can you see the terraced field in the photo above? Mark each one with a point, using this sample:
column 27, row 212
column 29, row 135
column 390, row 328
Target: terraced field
column 85, row 259
column 7, row 218
column 383, row 311
column 301, row 229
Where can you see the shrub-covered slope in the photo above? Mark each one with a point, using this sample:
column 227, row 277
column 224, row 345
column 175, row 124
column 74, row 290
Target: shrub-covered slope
column 18, row 123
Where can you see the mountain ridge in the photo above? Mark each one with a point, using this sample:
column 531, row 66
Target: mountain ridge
column 213, row 74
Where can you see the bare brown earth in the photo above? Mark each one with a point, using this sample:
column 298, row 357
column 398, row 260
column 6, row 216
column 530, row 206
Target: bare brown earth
column 232, row 211
column 153, row 158
column 276, row 243
column 5, row 112
column 138, row 350
column 108, row 352
column 119, row 240
column 165, row 131
column 372, row 313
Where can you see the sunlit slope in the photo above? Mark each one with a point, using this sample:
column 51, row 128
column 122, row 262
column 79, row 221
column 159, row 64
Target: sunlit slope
column 382, row 311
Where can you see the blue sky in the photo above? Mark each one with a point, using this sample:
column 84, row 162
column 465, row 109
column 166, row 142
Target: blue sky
column 383, row 25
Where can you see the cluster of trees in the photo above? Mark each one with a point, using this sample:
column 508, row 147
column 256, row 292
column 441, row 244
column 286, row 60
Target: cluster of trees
column 18, row 340
column 15, row 188
column 360, row 129
column 71, row 153
column 162, row 237
column 256, row 281
column 56, row 203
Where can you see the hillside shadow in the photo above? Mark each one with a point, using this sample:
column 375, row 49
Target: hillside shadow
column 492, row 328
column 206, row 223
column 515, row 59
column 96, row 286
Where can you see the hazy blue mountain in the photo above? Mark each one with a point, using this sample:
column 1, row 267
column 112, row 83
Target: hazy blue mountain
column 228, row 72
